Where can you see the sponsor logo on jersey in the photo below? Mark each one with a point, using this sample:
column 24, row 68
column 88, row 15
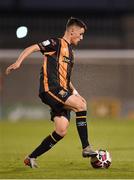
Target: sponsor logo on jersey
column 66, row 59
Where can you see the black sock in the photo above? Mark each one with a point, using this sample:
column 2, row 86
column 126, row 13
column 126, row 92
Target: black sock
column 81, row 124
column 46, row 144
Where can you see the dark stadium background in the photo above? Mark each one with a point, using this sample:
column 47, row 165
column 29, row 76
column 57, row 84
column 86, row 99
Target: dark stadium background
column 103, row 74
column 104, row 70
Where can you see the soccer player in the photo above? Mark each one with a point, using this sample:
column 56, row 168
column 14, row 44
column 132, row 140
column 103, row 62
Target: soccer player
column 56, row 89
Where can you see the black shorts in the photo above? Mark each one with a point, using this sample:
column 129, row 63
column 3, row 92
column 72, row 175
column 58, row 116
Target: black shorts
column 56, row 99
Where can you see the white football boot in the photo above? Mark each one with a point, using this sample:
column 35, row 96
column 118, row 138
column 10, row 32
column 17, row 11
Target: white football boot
column 30, row 162
column 88, row 152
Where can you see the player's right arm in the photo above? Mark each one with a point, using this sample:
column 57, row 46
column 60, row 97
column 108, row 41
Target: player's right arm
column 25, row 53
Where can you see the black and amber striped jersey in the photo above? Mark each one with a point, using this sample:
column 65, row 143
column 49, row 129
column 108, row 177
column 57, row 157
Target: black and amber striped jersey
column 58, row 63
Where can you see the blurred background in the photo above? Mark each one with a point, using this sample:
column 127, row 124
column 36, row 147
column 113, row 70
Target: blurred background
column 104, row 69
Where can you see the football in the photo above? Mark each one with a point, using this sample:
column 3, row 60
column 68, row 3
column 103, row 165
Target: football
column 102, row 160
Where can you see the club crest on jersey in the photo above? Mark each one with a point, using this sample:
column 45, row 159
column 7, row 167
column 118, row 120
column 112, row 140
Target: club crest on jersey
column 63, row 93
column 66, row 59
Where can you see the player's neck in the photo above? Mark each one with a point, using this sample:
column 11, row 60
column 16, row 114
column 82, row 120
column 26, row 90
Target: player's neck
column 66, row 37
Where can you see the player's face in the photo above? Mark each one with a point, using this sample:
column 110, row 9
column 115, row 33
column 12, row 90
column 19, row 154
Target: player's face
column 77, row 35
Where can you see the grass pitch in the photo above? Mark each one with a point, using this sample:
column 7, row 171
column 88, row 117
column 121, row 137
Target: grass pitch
column 64, row 161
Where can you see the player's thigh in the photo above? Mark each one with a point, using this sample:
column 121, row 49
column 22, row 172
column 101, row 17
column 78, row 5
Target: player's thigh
column 75, row 103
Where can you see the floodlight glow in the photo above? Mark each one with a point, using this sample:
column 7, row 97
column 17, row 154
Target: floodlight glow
column 21, row 32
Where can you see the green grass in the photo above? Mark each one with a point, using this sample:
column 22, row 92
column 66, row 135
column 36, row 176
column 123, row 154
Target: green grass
column 64, row 160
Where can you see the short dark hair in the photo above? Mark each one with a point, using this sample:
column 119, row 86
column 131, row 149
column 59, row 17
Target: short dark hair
column 75, row 21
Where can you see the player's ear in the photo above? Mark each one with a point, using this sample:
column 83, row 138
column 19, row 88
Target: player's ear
column 72, row 31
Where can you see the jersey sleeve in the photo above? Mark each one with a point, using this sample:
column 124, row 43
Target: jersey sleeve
column 49, row 45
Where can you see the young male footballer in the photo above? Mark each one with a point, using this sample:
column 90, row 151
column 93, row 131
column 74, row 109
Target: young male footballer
column 56, row 89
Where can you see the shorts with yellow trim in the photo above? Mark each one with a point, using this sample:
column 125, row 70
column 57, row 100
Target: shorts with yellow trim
column 56, row 99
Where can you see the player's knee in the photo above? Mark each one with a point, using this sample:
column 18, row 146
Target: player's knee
column 62, row 132
column 81, row 107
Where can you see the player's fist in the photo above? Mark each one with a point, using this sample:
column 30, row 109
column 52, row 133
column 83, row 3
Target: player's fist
column 12, row 67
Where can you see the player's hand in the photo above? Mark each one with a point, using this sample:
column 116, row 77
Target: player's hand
column 12, row 67
column 75, row 92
